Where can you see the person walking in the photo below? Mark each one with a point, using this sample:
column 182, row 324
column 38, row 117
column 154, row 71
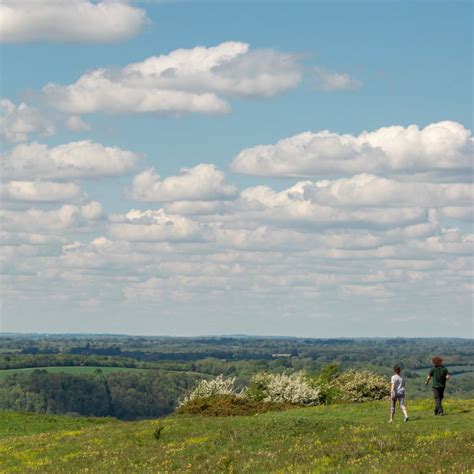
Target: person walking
column 440, row 375
column 397, row 393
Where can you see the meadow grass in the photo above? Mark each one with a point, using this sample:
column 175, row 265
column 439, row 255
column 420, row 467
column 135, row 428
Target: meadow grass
column 335, row 438
column 26, row 424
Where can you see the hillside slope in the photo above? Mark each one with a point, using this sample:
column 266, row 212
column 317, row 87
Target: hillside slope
column 342, row 438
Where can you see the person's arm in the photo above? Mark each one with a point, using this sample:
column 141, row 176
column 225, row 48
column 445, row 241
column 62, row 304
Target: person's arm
column 448, row 375
column 429, row 377
column 392, row 390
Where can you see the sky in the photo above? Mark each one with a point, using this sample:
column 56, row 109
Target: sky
column 265, row 168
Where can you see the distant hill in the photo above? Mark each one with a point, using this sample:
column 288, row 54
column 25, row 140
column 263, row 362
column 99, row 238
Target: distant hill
column 336, row 438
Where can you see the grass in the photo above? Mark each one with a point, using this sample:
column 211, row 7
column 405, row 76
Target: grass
column 28, row 424
column 337, row 438
column 75, row 370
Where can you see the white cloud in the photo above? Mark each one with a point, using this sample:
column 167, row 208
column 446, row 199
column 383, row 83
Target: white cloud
column 459, row 213
column 296, row 207
column 330, row 81
column 41, row 191
column 20, row 238
column 204, row 182
column 76, row 124
column 366, row 190
column 439, row 151
column 185, row 80
column 68, row 20
column 150, row 225
column 82, row 159
column 17, row 123
column 197, row 207
column 65, row 218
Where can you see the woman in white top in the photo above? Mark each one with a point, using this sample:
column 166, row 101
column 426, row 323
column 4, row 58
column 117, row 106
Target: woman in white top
column 397, row 392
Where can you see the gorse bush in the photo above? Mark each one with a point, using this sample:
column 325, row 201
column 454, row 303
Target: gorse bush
column 229, row 405
column 354, row 386
column 282, row 388
column 208, row 388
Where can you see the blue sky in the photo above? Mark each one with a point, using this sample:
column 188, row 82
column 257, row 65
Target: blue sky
column 336, row 263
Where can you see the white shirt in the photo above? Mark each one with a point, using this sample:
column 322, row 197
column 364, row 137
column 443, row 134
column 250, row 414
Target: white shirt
column 398, row 384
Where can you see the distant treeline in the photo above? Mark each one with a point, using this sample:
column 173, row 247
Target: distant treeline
column 304, row 353
column 123, row 395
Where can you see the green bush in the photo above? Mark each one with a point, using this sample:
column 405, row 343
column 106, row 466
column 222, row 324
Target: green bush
column 363, row 386
column 229, row 405
column 324, row 381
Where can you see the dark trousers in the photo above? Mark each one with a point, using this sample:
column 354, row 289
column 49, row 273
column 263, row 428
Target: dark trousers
column 438, row 394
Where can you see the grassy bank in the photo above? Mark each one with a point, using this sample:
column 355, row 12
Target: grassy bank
column 343, row 438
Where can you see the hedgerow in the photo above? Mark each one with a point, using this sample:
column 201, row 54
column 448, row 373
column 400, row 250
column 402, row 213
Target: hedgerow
column 266, row 391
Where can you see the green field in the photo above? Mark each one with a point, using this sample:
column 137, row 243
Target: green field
column 76, row 370
column 335, row 438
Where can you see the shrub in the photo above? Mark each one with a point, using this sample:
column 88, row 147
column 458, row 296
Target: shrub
column 282, row 388
column 228, row 405
column 361, row 386
column 208, row 388
column 329, row 392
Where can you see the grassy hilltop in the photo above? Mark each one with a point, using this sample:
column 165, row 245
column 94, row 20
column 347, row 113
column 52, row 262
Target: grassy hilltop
column 336, row 438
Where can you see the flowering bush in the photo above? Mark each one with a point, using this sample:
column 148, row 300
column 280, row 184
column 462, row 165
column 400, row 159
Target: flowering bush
column 208, row 388
column 282, row 388
column 219, row 396
column 361, row 386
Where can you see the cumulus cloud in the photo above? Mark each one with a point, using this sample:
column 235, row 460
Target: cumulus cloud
column 366, row 190
column 19, row 122
column 185, row 80
column 82, row 159
column 40, row 191
column 296, row 206
column 330, row 81
column 65, row 218
column 69, row 20
column 156, row 225
column 204, row 182
column 441, row 150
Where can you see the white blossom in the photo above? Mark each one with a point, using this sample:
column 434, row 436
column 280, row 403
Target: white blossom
column 282, row 388
column 207, row 388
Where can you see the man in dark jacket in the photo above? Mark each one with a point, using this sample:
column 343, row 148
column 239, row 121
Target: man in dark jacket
column 440, row 375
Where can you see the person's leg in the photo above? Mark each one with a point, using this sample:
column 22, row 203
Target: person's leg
column 393, row 401
column 437, row 398
column 401, row 400
column 441, row 396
